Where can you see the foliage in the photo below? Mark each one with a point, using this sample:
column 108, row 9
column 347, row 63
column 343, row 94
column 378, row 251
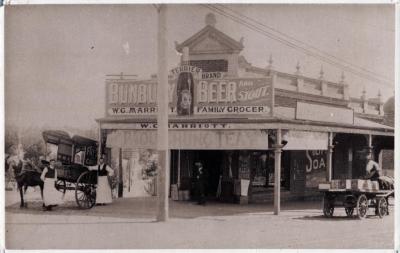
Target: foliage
column 150, row 170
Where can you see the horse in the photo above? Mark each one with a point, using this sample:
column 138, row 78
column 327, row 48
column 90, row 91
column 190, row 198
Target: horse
column 25, row 176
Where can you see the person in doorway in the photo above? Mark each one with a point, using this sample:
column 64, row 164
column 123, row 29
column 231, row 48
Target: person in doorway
column 51, row 197
column 103, row 191
column 200, row 181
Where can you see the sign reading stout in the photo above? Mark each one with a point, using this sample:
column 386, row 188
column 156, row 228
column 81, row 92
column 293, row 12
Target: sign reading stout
column 190, row 95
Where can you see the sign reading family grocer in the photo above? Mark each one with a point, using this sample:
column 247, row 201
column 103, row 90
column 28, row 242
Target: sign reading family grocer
column 189, row 94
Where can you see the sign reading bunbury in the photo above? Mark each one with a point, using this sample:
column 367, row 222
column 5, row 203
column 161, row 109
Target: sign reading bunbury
column 190, row 95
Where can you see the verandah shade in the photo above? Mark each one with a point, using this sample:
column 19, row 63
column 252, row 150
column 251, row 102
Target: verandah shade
column 191, row 139
column 305, row 140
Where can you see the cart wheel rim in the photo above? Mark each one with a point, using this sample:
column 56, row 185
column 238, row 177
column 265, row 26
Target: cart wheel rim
column 382, row 207
column 362, row 206
column 85, row 191
column 328, row 208
column 349, row 211
column 61, row 186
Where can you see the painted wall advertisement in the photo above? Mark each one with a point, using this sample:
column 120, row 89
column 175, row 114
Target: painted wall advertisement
column 315, row 168
column 190, row 93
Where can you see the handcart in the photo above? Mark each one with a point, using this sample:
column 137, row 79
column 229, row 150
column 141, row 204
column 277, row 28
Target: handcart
column 355, row 195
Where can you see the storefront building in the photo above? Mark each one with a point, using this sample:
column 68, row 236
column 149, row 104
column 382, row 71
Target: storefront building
column 250, row 126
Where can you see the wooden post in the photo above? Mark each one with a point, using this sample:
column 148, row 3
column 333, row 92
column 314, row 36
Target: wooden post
column 162, row 116
column 99, row 151
column 277, row 180
column 179, row 169
column 120, row 176
column 350, row 163
column 273, row 77
column 370, row 147
column 329, row 158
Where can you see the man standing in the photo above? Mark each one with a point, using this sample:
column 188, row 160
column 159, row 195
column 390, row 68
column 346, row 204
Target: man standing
column 200, row 181
column 103, row 191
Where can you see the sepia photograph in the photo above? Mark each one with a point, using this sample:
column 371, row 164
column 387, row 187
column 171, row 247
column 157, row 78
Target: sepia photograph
column 199, row 126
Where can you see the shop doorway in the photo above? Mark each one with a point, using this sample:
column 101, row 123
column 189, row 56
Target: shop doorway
column 212, row 161
column 182, row 166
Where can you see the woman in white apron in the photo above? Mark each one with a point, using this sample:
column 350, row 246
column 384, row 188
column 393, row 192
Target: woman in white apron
column 103, row 191
column 51, row 197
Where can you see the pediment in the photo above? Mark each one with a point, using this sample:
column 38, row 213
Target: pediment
column 208, row 44
column 209, row 39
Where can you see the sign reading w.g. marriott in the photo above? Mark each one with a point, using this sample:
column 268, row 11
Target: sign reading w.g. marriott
column 189, row 95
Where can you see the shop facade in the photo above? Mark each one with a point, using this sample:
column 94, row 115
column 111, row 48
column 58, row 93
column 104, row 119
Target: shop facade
column 251, row 127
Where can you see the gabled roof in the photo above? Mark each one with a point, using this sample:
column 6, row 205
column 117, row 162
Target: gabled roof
column 210, row 32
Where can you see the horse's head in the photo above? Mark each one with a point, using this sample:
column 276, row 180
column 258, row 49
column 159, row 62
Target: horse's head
column 15, row 163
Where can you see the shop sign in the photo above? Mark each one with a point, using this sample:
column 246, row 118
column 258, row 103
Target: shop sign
column 189, row 95
column 306, row 111
column 212, row 75
column 316, row 160
column 315, row 163
column 184, row 126
column 196, row 139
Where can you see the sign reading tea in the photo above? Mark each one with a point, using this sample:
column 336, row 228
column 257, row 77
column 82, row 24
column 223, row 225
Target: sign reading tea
column 189, row 95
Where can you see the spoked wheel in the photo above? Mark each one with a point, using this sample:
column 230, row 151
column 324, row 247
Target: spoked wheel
column 85, row 190
column 349, row 211
column 362, row 206
column 349, row 204
column 61, row 186
column 328, row 206
column 382, row 207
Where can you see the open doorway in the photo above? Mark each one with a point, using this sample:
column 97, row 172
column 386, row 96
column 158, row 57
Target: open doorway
column 182, row 165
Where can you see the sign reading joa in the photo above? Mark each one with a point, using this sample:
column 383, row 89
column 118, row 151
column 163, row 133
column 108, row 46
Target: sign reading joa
column 190, row 95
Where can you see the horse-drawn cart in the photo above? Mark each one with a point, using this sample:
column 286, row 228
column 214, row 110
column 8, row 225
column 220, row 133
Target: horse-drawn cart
column 355, row 194
column 73, row 155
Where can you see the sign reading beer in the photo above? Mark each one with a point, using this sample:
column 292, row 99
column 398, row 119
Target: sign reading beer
column 189, row 94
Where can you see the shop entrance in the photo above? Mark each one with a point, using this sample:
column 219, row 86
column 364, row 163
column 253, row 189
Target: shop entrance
column 182, row 169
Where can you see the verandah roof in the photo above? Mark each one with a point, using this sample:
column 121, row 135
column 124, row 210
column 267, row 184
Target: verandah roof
column 360, row 126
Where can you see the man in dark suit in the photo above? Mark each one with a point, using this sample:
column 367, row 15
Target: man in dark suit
column 200, row 182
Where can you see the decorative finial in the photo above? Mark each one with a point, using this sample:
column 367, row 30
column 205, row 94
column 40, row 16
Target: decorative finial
column 210, row 19
column 364, row 92
column 298, row 68
column 342, row 77
column 270, row 61
column 241, row 40
column 321, row 73
column 379, row 95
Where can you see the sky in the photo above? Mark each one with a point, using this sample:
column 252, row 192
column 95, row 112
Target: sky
column 57, row 57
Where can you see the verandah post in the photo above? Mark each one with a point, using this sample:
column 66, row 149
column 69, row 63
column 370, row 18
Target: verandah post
column 162, row 115
column 277, row 180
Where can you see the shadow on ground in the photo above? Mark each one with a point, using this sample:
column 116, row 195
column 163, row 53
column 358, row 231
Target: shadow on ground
column 147, row 208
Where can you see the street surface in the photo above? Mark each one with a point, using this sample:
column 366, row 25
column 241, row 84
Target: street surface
column 130, row 223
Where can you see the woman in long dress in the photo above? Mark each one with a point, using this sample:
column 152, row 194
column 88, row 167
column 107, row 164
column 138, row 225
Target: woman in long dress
column 51, row 197
column 103, row 191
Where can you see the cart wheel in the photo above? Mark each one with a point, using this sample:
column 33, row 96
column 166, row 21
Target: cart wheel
column 328, row 207
column 85, row 190
column 61, row 186
column 349, row 211
column 382, row 207
column 362, row 206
